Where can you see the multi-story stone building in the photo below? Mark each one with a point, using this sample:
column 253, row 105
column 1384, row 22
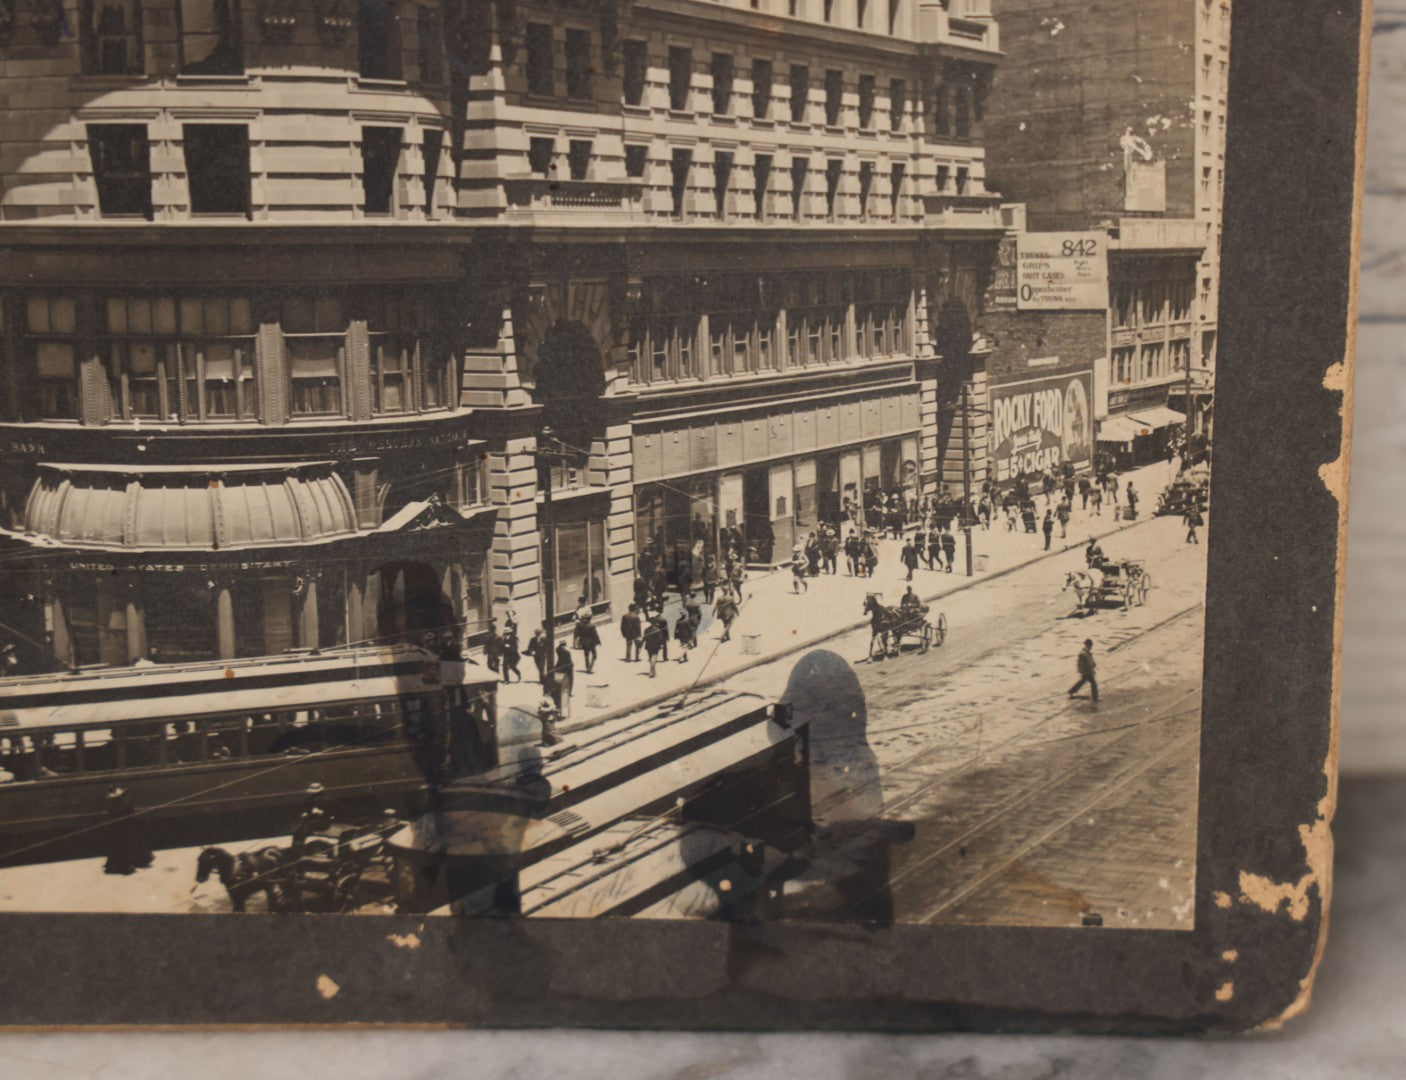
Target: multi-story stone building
column 290, row 290
column 1111, row 117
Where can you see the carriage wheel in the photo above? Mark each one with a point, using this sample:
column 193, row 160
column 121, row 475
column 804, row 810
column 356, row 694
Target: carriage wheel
column 941, row 631
column 925, row 638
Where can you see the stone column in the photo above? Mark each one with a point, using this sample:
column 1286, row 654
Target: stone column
column 308, row 637
column 224, row 622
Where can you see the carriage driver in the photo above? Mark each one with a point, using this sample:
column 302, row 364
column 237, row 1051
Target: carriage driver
column 910, row 605
column 1094, row 556
column 313, row 819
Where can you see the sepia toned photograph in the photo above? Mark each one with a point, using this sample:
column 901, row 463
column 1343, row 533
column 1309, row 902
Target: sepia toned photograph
column 653, row 459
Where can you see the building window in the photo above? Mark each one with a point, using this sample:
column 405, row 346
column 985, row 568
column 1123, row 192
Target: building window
column 1123, row 308
column 1154, row 361
column 722, row 173
column 761, row 176
column 50, row 326
column 1122, row 366
column 314, row 338
column 540, row 150
column 741, row 326
column 581, row 567
column 866, row 184
column 179, row 618
column 539, row 60
column 217, row 168
column 663, row 340
column 217, row 355
column 635, row 64
column 944, row 176
column 680, row 77
column 833, row 169
column 896, row 172
column 895, row 9
column 1180, row 298
column 380, row 156
column 143, row 356
column 799, row 167
column 867, row 93
column 800, row 92
column 1154, row 303
column 378, row 39
column 679, row 165
column 941, row 111
column 636, row 157
column 121, row 157
column 722, row 84
column 395, row 327
column 578, row 158
column 816, row 313
column 834, row 96
column 431, row 146
column 828, row 10
column 111, row 36
column 963, row 177
column 881, row 313
column 962, row 112
column 263, row 614
column 211, row 42
column 898, row 103
column 578, row 64
column 762, row 77
column 429, row 31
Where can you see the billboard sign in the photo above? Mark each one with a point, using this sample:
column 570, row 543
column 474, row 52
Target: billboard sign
column 1040, row 424
column 1061, row 271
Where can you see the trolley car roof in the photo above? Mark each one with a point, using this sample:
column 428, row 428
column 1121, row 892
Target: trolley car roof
column 269, row 684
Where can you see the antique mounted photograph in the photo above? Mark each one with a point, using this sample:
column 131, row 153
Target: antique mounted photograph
column 678, row 460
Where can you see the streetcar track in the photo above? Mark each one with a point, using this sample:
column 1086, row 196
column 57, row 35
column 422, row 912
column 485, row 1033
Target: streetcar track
column 1133, row 774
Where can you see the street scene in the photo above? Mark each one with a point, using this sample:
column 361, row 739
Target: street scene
column 683, row 460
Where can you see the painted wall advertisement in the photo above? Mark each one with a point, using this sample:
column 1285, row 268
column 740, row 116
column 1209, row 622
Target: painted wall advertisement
column 1039, row 424
column 1058, row 271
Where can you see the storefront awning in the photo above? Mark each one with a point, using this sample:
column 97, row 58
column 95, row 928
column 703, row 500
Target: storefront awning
column 1159, row 416
column 1119, row 429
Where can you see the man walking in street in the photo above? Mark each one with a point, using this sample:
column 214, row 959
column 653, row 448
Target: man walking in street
column 798, row 572
column 493, row 647
column 949, row 548
column 1193, row 519
column 1096, row 499
column 1062, row 515
column 725, row 610
column 631, row 630
column 511, row 655
column 1048, row 528
column 537, row 649
column 656, row 637
column 548, row 715
column 1087, row 667
column 934, row 549
column 909, row 556
column 1131, row 495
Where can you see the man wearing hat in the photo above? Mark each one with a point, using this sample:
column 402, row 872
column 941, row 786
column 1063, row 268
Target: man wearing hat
column 314, row 817
column 548, row 714
column 1087, row 668
column 127, row 849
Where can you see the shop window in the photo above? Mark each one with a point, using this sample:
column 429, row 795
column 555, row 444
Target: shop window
column 834, row 96
column 110, row 35
column 636, row 157
column 896, row 171
column 799, row 168
column 722, row 84
column 580, row 564
column 722, row 172
column 430, row 149
column 866, row 184
column 898, row 103
column 263, row 615
column 179, row 617
column 429, row 32
column 800, row 92
column 50, row 325
column 217, row 168
column 634, row 60
column 380, row 157
column 578, row 158
column 833, row 169
column 121, row 157
column 314, row 337
column 539, row 60
column 211, row 43
column 762, row 77
column 761, row 176
column 540, row 150
column 680, row 164
column 867, row 94
column 578, row 64
column 680, row 77
column 378, row 39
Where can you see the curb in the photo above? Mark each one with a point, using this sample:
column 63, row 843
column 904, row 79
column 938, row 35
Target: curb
column 801, row 646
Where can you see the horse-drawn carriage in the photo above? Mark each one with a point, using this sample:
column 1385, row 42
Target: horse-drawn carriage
column 1110, row 584
column 890, row 625
column 1183, row 494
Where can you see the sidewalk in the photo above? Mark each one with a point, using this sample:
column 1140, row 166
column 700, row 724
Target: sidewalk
column 774, row 621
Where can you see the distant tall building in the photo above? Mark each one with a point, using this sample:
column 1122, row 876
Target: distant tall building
column 291, row 290
column 1111, row 115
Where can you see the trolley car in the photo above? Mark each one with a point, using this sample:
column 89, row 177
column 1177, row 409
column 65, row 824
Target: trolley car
column 217, row 751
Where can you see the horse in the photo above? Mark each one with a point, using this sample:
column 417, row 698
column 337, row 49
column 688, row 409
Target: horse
column 886, row 626
column 244, row 874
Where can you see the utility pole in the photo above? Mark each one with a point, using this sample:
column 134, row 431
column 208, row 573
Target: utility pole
column 1186, row 424
column 967, row 470
column 545, row 455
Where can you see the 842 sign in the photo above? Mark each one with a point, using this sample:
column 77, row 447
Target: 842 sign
column 1061, row 272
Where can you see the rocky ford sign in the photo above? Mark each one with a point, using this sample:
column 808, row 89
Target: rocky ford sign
column 1039, row 424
